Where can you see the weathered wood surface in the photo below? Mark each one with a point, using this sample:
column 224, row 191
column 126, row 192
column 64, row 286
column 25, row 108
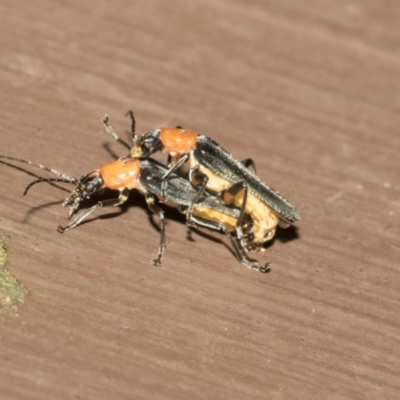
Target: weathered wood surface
column 311, row 91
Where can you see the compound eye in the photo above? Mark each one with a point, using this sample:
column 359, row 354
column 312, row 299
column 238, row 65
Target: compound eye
column 89, row 188
column 89, row 185
column 150, row 144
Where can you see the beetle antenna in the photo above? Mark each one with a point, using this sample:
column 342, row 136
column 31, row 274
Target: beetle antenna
column 133, row 125
column 65, row 177
column 45, row 180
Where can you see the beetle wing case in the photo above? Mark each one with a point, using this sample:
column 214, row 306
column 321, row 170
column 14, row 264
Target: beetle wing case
column 179, row 190
column 218, row 160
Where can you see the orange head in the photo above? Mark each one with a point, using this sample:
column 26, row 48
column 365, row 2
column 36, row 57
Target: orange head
column 116, row 175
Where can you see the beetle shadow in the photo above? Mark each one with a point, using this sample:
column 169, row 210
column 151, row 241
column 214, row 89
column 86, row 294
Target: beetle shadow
column 34, row 175
column 84, row 205
column 200, row 232
column 107, row 146
column 283, row 235
column 137, row 200
column 289, row 234
column 172, row 214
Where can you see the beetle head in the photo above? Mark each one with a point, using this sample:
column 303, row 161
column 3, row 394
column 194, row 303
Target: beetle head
column 147, row 144
column 85, row 188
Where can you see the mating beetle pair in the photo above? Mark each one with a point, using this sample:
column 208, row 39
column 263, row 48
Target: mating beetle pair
column 213, row 169
column 244, row 204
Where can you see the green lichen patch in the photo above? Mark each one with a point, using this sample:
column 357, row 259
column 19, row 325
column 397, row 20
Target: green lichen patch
column 12, row 293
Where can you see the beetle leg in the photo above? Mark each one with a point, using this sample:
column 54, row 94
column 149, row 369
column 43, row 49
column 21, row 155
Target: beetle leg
column 167, row 175
column 196, row 221
column 106, row 203
column 169, row 161
column 157, row 210
column 249, row 164
column 198, row 180
column 228, row 196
